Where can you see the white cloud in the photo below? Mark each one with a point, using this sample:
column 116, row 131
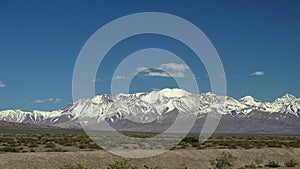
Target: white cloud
column 143, row 69
column 258, row 73
column 39, row 101
column 174, row 70
column 119, row 77
column 165, row 74
column 178, row 74
column 50, row 100
column 174, row 67
column 58, row 100
column 2, row 85
column 158, row 74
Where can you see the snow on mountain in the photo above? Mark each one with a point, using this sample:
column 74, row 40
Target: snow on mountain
column 139, row 107
column 35, row 116
column 288, row 104
column 147, row 107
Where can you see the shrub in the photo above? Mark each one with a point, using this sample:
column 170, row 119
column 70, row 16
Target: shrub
column 82, row 146
column 191, row 140
column 58, row 149
column 290, row 163
column 251, row 166
column 68, row 144
column 9, row 149
column 32, row 145
column 224, row 161
column 232, row 146
column 272, row 164
column 183, row 166
column 93, row 146
column 50, row 145
column 258, row 161
column 274, row 144
column 69, row 166
column 121, row 165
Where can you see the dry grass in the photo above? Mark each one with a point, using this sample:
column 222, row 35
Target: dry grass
column 171, row 160
column 49, row 146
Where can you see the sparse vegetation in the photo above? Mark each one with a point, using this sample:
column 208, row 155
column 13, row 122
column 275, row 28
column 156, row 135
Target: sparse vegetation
column 240, row 142
column 121, row 165
column 272, row 164
column 224, row 161
column 49, row 140
column 31, row 140
column 251, row 166
column 290, row 163
column 46, row 140
column 70, row 166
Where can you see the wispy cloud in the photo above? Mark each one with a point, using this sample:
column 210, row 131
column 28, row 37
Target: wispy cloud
column 174, row 67
column 50, row 100
column 120, row 77
column 39, row 101
column 158, row 74
column 58, row 100
column 165, row 74
column 258, row 73
column 143, row 69
column 2, row 85
column 174, row 70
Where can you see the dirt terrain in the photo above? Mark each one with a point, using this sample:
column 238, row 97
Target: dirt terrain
column 192, row 159
column 54, row 148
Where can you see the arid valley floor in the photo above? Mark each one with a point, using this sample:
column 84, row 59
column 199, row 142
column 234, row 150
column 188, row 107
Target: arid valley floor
column 55, row 148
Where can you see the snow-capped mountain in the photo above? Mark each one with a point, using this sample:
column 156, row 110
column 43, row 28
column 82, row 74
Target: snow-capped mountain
column 149, row 107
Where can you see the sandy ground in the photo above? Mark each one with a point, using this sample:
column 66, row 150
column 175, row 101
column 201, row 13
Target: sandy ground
column 193, row 159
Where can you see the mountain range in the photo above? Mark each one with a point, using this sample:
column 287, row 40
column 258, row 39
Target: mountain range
column 155, row 111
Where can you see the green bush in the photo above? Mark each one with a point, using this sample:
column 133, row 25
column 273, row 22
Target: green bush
column 32, row 145
column 121, row 165
column 251, row 166
column 50, row 145
column 183, row 166
column 259, row 161
column 57, row 149
column 83, row 146
column 272, row 164
column 290, row 163
column 93, row 146
column 224, row 161
column 9, row 149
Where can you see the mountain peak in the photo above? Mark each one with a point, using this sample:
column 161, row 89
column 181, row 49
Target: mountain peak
column 175, row 92
column 288, row 96
column 148, row 106
column 248, row 99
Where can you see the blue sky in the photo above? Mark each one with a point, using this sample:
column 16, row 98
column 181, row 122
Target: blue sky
column 257, row 41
